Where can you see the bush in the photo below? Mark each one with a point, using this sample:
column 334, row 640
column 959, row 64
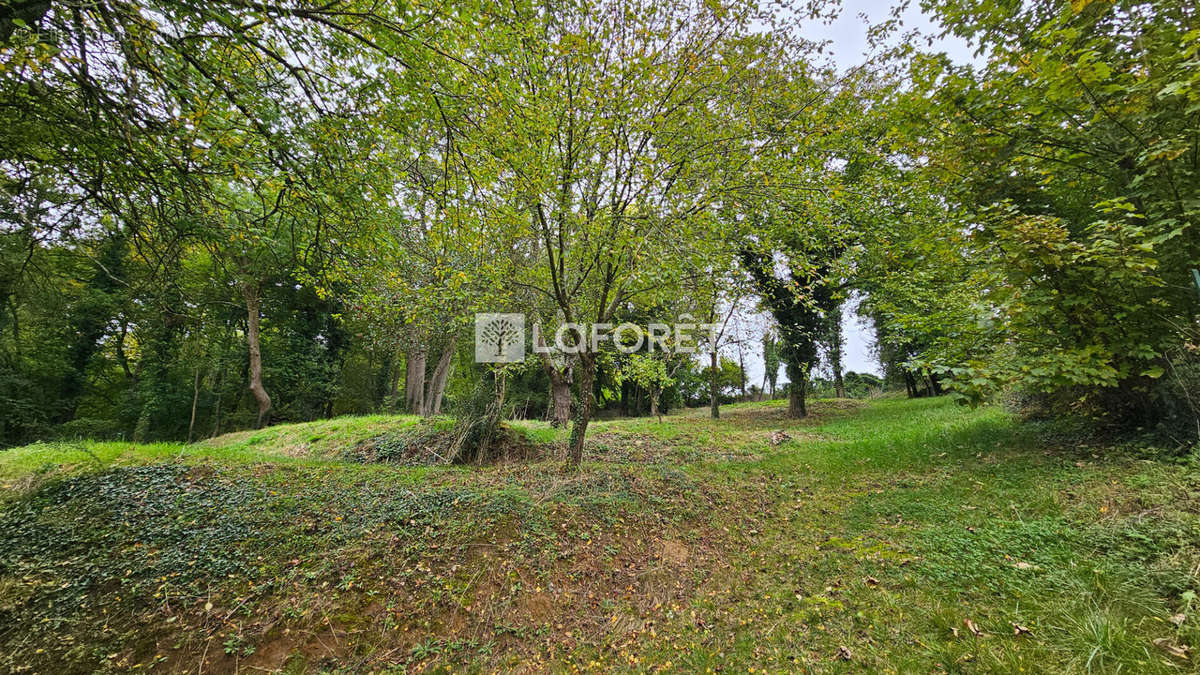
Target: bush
column 93, row 428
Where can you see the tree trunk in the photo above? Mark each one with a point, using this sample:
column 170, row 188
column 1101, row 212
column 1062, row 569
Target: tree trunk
column 796, row 392
column 219, row 379
column 560, row 391
column 437, row 384
column 216, row 430
column 797, row 389
column 560, row 387
column 835, row 351
column 121, row 356
column 414, row 382
column 935, row 385
column 394, row 388
column 742, row 367
column 195, row 399
column 714, row 403
column 587, row 379
column 256, row 386
column 654, row 394
column 383, row 378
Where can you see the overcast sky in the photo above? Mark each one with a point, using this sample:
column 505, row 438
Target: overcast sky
column 848, row 45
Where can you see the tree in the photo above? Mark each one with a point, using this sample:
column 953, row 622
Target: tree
column 600, row 125
column 799, row 303
column 225, row 140
column 653, row 371
column 770, row 360
column 833, row 348
column 722, row 294
column 1066, row 161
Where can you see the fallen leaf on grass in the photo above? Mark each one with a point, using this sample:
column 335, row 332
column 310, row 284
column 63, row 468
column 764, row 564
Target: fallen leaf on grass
column 1018, row 629
column 1178, row 651
column 872, row 581
column 1021, row 565
column 1178, row 619
column 973, row 627
column 843, row 653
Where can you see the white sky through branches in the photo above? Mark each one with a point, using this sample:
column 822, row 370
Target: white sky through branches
column 848, row 47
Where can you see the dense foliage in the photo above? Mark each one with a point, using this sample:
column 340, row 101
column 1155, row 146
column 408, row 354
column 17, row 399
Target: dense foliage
column 229, row 214
column 1066, row 167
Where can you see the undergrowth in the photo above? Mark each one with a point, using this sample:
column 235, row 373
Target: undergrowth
column 897, row 536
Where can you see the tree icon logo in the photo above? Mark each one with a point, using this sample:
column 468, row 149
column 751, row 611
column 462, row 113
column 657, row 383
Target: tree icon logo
column 499, row 338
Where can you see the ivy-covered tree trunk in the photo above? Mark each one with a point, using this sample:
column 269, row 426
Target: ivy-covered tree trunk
column 834, row 349
column 251, row 293
column 89, row 320
column 154, row 383
column 797, row 391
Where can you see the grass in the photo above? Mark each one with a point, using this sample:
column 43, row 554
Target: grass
column 889, row 536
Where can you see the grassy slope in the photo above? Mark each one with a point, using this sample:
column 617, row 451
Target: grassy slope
column 880, row 538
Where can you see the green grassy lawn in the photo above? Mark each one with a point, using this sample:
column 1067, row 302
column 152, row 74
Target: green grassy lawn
column 885, row 536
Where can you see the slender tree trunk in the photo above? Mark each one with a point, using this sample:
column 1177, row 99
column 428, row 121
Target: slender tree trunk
column 121, row 356
column 714, row 402
column 587, row 380
column 383, row 378
column 835, row 348
column 195, row 399
column 216, row 430
column 251, row 293
column 219, row 383
column 742, row 367
column 394, row 388
column 654, row 394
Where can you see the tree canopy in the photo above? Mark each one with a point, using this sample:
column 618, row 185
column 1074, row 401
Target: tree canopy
column 229, row 214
